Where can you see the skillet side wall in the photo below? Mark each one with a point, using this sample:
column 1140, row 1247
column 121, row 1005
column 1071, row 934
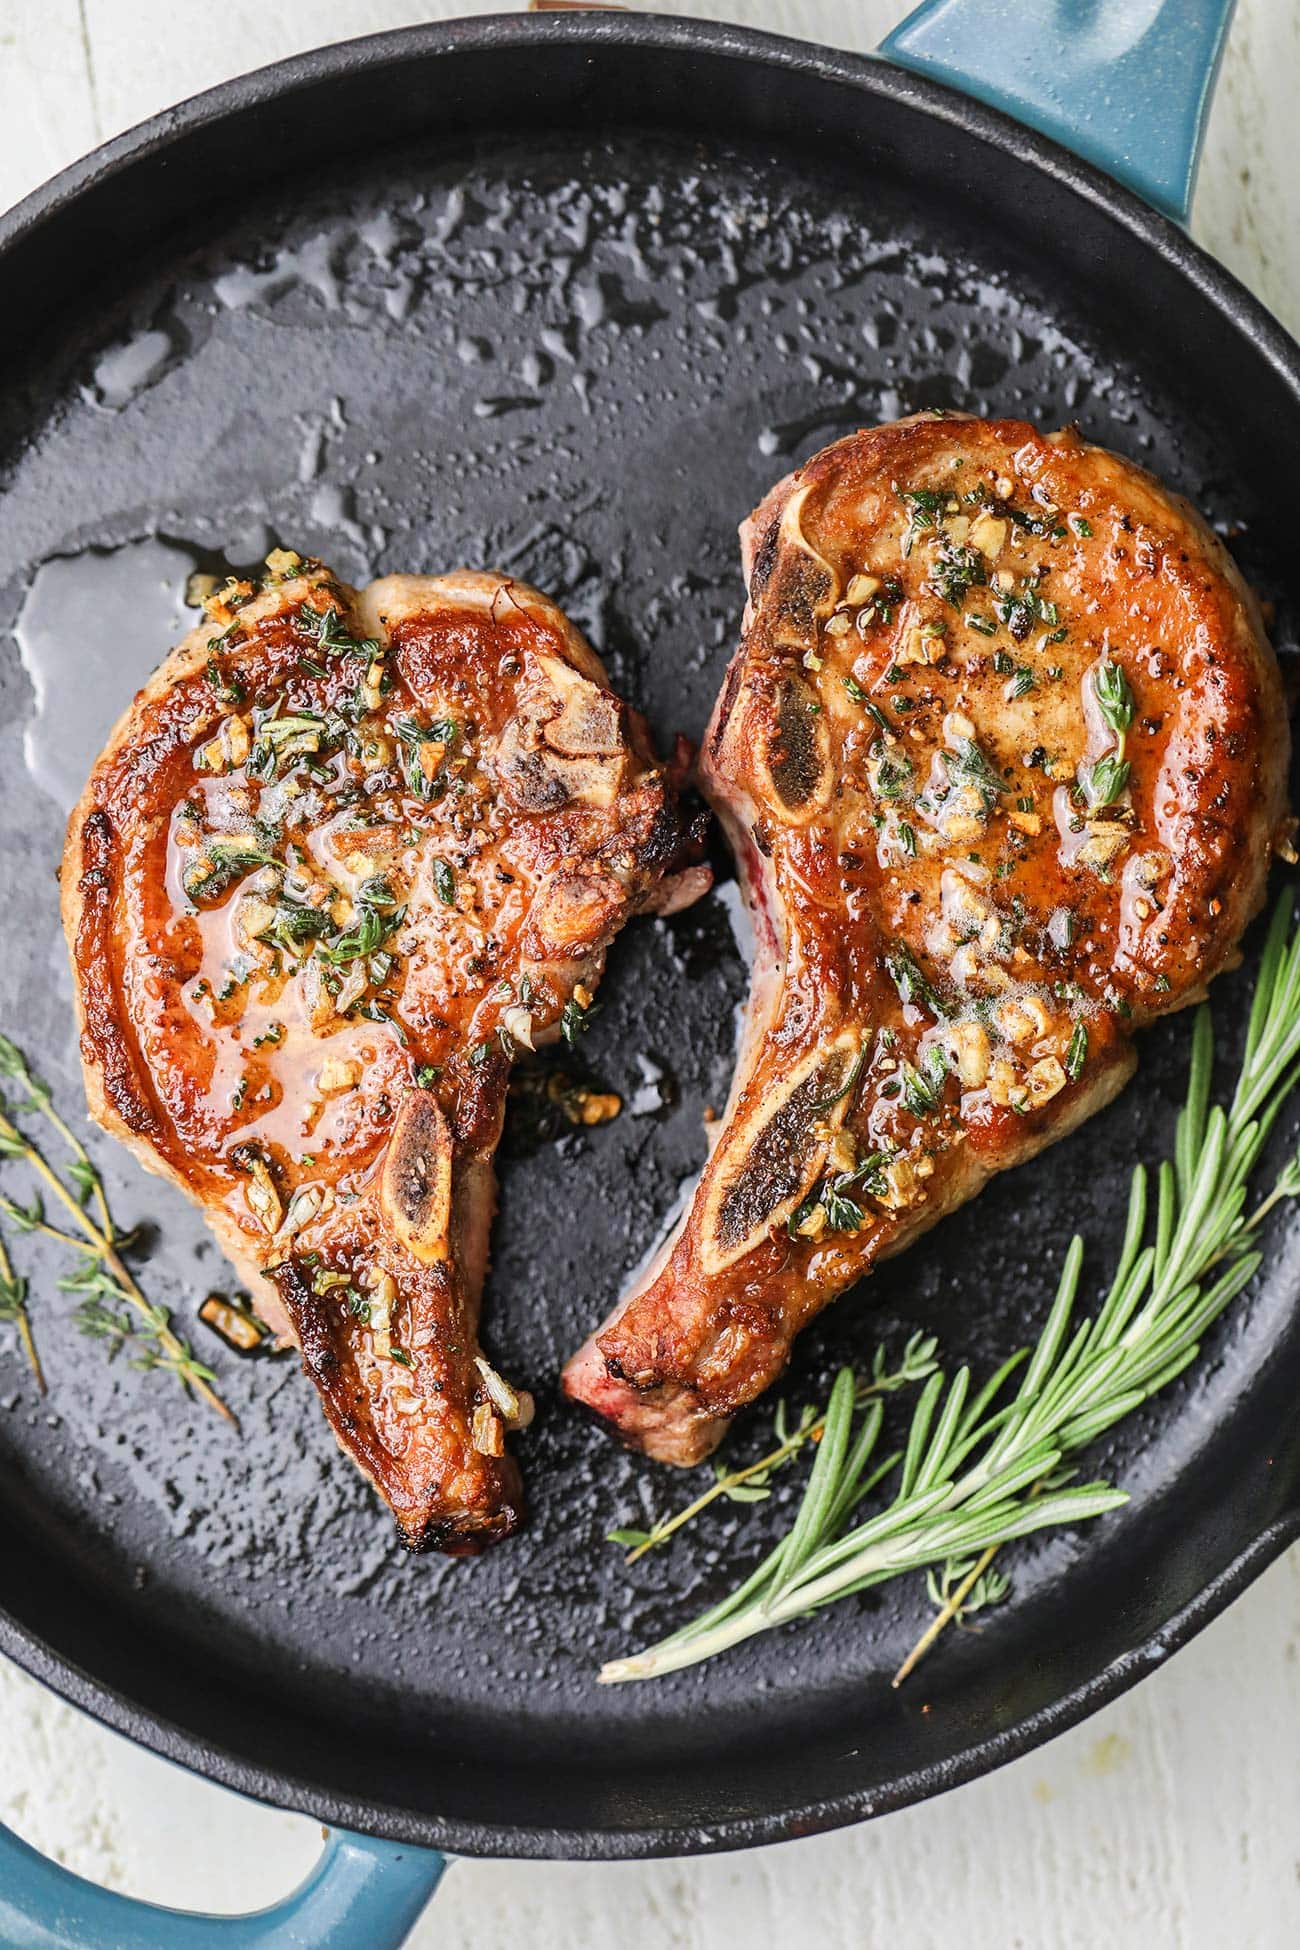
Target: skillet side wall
column 667, row 1786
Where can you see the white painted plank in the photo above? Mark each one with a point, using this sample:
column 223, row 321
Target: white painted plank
column 47, row 107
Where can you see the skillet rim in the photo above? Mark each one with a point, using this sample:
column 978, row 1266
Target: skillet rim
column 150, row 141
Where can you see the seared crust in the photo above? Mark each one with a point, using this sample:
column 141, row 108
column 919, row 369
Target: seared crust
column 342, row 853
column 919, row 757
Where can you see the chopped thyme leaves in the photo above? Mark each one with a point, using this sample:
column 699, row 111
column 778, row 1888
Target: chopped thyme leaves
column 1031, row 523
column 576, row 1017
column 894, row 772
column 830, row 1193
column 967, row 765
column 854, row 689
column 227, row 690
column 956, row 570
column 923, row 1085
column 913, row 984
column 924, row 506
column 220, row 863
column 373, row 927
column 295, row 924
column 427, row 748
column 1077, row 1054
column 325, row 628
column 1020, row 609
column 280, row 739
column 444, row 883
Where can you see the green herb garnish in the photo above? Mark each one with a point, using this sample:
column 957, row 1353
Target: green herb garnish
column 415, row 736
column 955, row 571
column 1077, row 1054
column 326, row 631
column 112, row 1306
column 894, row 771
column 218, row 864
column 924, row 506
column 913, row 984
column 372, row 928
column 279, row 740
column 576, row 1017
column 1114, row 696
column 985, row 1465
column 1105, row 782
column 749, row 1484
column 923, row 1083
column 831, row 1193
column 966, row 764
column 227, row 690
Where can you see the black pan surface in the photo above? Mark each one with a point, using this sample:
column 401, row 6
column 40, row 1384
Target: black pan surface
column 564, row 296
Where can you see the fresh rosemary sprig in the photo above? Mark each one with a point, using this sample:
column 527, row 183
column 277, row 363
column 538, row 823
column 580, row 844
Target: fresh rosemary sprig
column 749, row 1484
column 103, row 1280
column 981, row 1468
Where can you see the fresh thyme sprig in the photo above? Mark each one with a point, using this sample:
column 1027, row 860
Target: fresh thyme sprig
column 750, row 1483
column 13, row 1310
column 981, row 1469
column 1106, row 780
column 979, row 1587
column 103, row 1280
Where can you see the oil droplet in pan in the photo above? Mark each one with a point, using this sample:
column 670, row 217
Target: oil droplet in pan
column 91, row 628
column 132, row 367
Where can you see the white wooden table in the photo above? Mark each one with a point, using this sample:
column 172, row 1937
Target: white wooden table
column 1171, row 1819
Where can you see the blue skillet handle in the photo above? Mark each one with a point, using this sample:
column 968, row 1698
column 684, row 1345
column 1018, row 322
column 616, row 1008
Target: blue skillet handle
column 1124, row 83
column 362, row 1894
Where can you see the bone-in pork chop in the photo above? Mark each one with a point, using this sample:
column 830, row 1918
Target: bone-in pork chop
column 343, row 855
column 1002, row 755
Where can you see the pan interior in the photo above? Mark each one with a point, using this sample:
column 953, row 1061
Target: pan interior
column 579, row 353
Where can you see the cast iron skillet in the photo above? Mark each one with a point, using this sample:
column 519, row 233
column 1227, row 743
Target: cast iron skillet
column 564, row 295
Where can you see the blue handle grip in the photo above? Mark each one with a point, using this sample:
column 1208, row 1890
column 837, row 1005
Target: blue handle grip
column 1124, row 83
column 362, row 1894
